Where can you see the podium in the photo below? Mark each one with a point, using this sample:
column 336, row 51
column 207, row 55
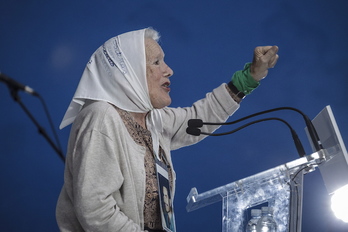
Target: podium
column 280, row 187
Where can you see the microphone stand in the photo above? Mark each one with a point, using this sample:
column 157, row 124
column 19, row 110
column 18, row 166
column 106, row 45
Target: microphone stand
column 41, row 130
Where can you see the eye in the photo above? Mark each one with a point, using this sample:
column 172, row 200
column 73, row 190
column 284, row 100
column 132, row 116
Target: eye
column 157, row 62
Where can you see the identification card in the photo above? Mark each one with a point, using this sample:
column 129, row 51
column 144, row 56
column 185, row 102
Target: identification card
column 166, row 203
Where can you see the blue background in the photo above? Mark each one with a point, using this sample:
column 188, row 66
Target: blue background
column 46, row 44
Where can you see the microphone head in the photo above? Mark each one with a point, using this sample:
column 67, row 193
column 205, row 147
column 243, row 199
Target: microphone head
column 195, row 123
column 193, row 131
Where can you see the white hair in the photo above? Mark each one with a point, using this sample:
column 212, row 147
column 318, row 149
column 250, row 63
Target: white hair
column 152, row 33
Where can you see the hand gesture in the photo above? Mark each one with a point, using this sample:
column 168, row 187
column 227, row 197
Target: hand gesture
column 264, row 58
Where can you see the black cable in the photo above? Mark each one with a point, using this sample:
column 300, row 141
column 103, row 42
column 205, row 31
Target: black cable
column 41, row 130
column 312, row 132
column 298, row 144
column 50, row 122
column 246, row 125
column 298, row 195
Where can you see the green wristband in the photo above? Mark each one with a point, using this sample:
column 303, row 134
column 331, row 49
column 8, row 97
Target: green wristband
column 243, row 81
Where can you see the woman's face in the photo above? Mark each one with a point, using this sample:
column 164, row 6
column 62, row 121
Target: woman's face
column 157, row 75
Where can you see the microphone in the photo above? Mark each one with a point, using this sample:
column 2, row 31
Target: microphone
column 195, row 131
column 195, row 123
column 311, row 129
column 16, row 85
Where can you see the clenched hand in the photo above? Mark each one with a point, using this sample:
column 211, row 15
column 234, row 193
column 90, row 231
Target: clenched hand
column 264, row 58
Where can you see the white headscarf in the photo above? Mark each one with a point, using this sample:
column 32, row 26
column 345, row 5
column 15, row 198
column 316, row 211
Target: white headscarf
column 116, row 73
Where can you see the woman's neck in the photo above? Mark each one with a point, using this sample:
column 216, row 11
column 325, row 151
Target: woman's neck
column 140, row 118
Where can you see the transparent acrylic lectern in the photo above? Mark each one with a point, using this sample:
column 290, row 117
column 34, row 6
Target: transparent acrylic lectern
column 280, row 187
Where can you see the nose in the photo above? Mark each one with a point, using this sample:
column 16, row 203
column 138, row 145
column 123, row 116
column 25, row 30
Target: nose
column 168, row 71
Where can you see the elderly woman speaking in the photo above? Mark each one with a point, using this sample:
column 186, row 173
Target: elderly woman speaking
column 118, row 159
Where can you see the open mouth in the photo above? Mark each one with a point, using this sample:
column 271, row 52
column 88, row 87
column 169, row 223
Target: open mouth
column 166, row 86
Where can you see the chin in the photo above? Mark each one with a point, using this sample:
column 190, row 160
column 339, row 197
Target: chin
column 168, row 102
column 162, row 104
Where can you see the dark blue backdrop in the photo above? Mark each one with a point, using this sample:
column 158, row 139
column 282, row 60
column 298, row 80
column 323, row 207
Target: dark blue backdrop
column 46, row 44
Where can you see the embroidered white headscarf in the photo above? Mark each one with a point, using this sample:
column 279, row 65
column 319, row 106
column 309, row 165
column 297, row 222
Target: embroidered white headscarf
column 116, row 73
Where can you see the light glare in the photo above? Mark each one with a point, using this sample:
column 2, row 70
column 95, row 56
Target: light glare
column 339, row 203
